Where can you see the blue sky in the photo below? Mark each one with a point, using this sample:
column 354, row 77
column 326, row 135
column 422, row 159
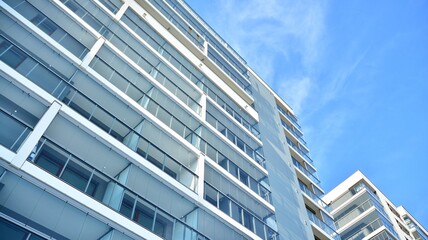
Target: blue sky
column 356, row 74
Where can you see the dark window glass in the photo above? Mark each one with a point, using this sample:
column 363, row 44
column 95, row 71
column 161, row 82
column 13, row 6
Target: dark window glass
column 243, row 176
column 144, row 216
column 11, row 231
column 77, row 177
column 248, row 220
column 45, row 24
column 51, row 161
column 236, row 212
column 13, row 56
column 127, row 205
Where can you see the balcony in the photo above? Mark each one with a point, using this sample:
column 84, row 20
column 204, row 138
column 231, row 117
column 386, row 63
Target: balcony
column 232, row 208
column 177, row 20
column 289, row 116
column 315, row 197
column 182, row 64
column 322, row 225
column 299, row 150
column 305, row 171
column 349, row 216
column 293, row 132
column 372, row 226
column 352, row 192
column 113, row 189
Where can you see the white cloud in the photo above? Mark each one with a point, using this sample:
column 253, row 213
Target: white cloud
column 297, row 91
column 259, row 27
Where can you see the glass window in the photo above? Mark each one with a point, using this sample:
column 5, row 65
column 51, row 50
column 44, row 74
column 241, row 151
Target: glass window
column 51, row 160
column 233, row 169
column 224, row 204
column 236, row 212
column 13, row 56
column 11, row 231
column 15, row 134
column 144, row 215
column 78, row 177
column 45, row 24
column 248, row 220
column 243, row 176
column 260, row 229
column 127, row 206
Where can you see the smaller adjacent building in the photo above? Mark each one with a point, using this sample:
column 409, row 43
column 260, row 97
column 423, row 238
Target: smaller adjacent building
column 362, row 212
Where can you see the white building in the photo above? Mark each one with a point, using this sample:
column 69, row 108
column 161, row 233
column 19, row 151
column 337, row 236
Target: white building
column 123, row 119
column 361, row 211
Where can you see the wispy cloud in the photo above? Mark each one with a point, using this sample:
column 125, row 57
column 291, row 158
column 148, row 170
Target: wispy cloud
column 297, row 90
column 265, row 31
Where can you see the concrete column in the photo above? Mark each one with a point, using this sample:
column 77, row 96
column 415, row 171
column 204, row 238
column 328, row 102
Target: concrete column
column 35, row 135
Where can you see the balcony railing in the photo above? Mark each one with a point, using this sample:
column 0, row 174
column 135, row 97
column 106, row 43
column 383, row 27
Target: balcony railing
column 327, row 229
column 298, row 150
column 211, row 36
column 289, row 116
column 16, row 132
column 239, row 213
column 305, row 171
column 292, row 131
column 353, row 191
column 108, row 190
column 315, row 197
column 343, row 220
column 180, row 23
column 227, row 68
column 143, row 30
column 157, row 71
column 213, row 121
column 366, row 230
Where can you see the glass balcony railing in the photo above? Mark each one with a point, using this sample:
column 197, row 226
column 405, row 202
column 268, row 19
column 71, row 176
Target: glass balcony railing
column 369, row 228
column 384, row 235
column 289, row 116
column 327, row 229
column 353, row 191
column 144, row 58
column 305, row 171
column 304, row 154
column 292, row 131
column 345, row 219
column 213, row 121
column 239, row 213
column 218, row 51
column 211, row 36
column 110, row 191
column 143, row 30
column 315, row 197
column 258, row 186
column 180, row 23
column 16, row 132
column 224, row 65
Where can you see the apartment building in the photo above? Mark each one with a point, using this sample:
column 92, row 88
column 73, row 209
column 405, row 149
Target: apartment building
column 123, row 119
column 361, row 211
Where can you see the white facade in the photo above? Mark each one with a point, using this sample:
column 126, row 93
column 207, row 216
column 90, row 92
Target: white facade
column 123, row 119
column 361, row 211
